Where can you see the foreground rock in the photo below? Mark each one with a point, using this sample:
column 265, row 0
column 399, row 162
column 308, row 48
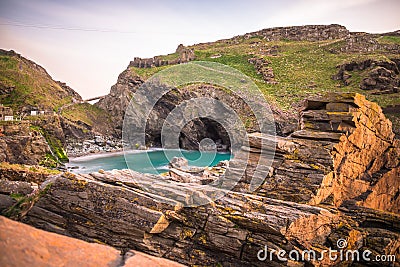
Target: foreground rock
column 23, row 245
column 337, row 177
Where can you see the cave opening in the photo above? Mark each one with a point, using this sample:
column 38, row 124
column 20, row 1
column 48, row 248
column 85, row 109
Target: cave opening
column 199, row 129
column 192, row 134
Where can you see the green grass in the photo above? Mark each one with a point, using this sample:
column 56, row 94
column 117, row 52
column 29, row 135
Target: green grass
column 301, row 68
column 169, row 57
column 55, row 146
column 146, row 73
column 87, row 117
column 85, row 112
column 389, row 40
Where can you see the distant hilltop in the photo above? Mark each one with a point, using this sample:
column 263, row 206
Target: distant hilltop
column 300, row 33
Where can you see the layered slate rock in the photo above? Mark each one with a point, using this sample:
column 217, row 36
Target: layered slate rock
column 316, row 192
column 366, row 162
column 23, row 245
column 18, row 144
column 344, row 151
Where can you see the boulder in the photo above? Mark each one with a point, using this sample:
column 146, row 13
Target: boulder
column 23, row 245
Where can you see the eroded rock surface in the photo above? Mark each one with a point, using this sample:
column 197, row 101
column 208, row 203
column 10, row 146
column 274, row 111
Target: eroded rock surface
column 18, row 144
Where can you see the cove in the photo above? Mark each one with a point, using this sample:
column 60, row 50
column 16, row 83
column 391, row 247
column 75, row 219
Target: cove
column 149, row 161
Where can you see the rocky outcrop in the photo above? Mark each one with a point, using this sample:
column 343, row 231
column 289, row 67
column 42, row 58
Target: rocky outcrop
column 20, row 145
column 37, row 141
column 119, row 97
column 335, row 178
column 300, row 33
column 261, row 65
column 380, row 77
column 71, row 92
column 23, row 245
column 366, row 162
column 361, row 42
column 191, row 134
column 195, row 130
column 343, row 152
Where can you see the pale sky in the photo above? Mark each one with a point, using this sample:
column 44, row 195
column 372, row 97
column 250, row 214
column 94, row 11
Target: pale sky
column 88, row 43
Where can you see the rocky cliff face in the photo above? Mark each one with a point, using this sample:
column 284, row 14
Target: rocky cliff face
column 366, row 162
column 335, row 178
column 301, row 33
column 18, row 144
column 120, row 95
column 344, row 146
column 25, row 86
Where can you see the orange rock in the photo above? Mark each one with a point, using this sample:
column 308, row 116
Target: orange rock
column 23, row 245
column 383, row 196
column 365, row 162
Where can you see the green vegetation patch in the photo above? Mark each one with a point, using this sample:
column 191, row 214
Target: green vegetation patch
column 55, row 146
column 24, row 204
column 28, row 168
column 389, row 39
column 87, row 117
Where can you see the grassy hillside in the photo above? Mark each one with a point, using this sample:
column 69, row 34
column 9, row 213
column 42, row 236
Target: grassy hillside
column 300, row 68
column 88, row 117
column 24, row 84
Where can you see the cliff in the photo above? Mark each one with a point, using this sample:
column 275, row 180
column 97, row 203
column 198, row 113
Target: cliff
column 61, row 114
column 337, row 177
column 288, row 64
column 120, row 95
column 18, row 144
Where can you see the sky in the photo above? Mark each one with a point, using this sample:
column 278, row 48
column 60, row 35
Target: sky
column 87, row 44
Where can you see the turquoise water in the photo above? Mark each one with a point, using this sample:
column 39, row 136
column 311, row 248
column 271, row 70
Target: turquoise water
column 154, row 161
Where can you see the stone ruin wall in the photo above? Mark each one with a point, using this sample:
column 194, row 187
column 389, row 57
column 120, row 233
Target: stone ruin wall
column 184, row 55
